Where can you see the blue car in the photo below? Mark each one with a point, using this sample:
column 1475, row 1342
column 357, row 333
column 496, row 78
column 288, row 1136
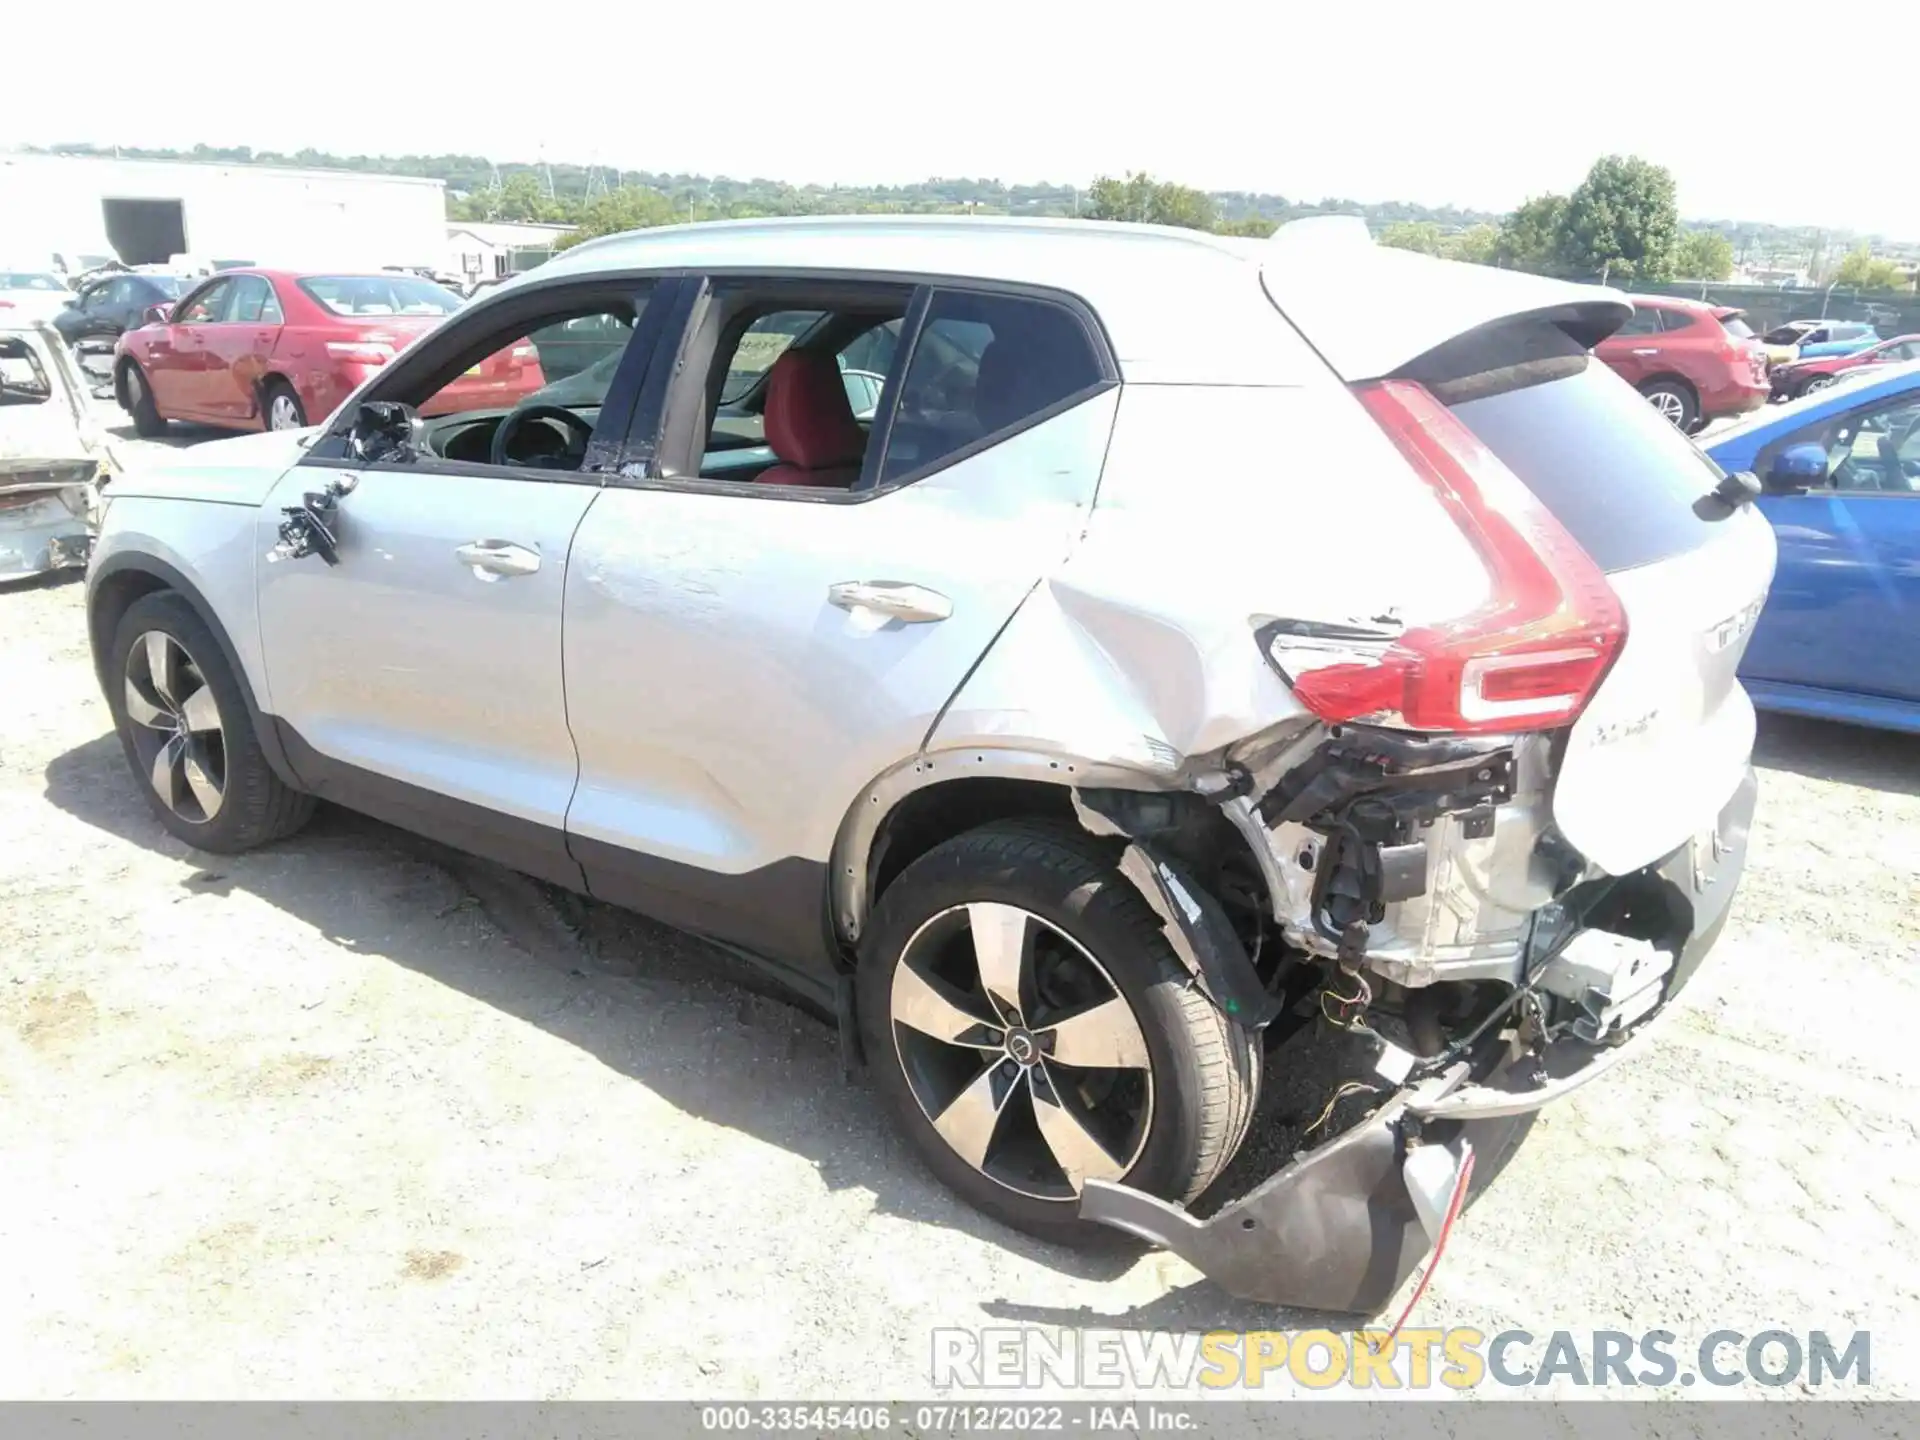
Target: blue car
column 1840, row 478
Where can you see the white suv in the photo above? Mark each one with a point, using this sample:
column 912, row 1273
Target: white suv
column 1196, row 642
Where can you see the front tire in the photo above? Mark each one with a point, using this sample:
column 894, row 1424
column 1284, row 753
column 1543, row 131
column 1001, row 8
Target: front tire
column 188, row 734
column 136, row 398
column 1818, row 382
column 1675, row 400
column 1030, row 1028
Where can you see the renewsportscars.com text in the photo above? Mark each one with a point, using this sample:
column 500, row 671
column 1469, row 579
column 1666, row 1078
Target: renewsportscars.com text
column 1027, row 1357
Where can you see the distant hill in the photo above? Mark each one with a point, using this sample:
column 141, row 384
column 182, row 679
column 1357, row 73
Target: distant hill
column 566, row 187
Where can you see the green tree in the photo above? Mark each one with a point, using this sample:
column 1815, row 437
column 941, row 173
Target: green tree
column 1622, row 220
column 1531, row 237
column 1863, row 270
column 631, row 207
column 1421, row 235
column 1255, row 227
column 1703, row 255
column 1143, row 199
column 1477, row 244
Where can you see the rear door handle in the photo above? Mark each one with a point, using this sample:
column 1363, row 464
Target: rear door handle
column 914, row 604
column 497, row 559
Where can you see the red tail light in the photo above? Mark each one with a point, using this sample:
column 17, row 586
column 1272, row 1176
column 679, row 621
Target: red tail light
column 1528, row 658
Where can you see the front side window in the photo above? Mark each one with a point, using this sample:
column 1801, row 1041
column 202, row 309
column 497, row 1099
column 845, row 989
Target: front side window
column 983, row 364
column 207, row 306
column 253, row 302
column 369, row 295
column 1872, row 451
column 569, row 363
column 525, row 393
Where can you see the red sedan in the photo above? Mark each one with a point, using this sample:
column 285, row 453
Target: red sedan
column 1693, row 362
column 1793, row 380
column 276, row 350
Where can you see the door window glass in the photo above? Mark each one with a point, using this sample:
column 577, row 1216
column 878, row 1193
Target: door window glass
column 983, row 364
column 1874, row 451
column 1641, row 322
column 569, row 363
column 251, row 296
column 205, row 306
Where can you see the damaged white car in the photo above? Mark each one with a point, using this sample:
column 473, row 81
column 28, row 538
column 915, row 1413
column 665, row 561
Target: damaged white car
column 53, row 454
column 1203, row 649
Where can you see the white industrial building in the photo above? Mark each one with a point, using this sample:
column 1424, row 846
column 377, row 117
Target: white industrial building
column 149, row 211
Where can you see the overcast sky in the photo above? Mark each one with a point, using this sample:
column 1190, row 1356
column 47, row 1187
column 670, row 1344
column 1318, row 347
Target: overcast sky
column 1477, row 105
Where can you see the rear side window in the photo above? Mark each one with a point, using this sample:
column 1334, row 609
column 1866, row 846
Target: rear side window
column 1641, row 322
column 984, row 365
column 1677, row 320
column 1736, row 326
column 1617, row 475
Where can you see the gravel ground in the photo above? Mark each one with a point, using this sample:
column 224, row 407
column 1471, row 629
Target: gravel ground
column 356, row 1117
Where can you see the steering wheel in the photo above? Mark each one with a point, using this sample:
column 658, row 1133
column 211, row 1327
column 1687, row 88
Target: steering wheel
column 579, row 432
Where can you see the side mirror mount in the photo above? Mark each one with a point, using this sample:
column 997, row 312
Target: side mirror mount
column 385, row 431
column 1795, row 470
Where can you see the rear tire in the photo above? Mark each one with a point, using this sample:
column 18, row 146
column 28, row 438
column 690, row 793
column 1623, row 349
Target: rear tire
column 1167, row 1120
column 281, row 408
column 188, row 734
column 1675, row 400
column 136, row 398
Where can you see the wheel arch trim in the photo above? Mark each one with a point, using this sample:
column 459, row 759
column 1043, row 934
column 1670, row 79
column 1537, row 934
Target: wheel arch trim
column 881, row 798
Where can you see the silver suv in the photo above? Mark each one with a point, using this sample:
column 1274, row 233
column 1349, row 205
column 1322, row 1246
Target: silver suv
column 1094, row 664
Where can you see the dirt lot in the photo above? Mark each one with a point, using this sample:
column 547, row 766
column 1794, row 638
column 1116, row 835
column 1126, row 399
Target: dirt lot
column 355, row 1117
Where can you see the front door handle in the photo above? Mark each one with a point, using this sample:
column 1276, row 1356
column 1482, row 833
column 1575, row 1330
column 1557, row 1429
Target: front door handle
column 497, row 559
column 1646, row 352
column 914, row 604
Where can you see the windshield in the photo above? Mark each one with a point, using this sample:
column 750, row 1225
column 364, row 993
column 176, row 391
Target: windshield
column 172, row 286
column 29, row 280
column 1784, row 334
column 380, row 295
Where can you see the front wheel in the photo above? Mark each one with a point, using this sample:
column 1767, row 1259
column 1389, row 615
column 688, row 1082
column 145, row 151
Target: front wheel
column 1818, row 382
column 188, row 734
column 1032, row 1029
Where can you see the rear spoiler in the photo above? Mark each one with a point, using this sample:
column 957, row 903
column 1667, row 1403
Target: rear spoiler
column 1371, row 310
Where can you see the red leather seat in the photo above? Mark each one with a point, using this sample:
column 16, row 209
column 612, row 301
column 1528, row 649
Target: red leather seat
column 810, row 425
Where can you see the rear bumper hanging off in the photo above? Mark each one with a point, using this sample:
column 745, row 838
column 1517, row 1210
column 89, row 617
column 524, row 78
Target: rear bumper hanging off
column 1342, row 1227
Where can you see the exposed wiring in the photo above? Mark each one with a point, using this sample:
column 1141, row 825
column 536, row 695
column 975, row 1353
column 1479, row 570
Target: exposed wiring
column 1352, row 1087
column 1352, row 1006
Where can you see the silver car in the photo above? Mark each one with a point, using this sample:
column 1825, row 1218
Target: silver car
column 1204, row 653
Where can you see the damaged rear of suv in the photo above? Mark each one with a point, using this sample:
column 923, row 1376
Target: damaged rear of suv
column 1497, row 818
column 1202, row 663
